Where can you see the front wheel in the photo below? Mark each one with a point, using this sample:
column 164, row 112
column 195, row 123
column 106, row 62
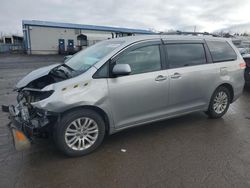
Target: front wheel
column 79, row 132
column 219, row 102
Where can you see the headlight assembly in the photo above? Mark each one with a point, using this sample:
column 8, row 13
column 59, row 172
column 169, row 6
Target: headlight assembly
column 34, row 95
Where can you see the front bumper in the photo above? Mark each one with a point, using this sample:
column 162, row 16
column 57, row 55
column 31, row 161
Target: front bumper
column 21, row 137
column 18, row 122
column 26, row 124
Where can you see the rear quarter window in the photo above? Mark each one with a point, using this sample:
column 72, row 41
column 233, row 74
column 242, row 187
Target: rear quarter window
column 221, row 51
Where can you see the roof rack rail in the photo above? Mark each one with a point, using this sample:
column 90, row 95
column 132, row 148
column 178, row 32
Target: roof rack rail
column 188, row 33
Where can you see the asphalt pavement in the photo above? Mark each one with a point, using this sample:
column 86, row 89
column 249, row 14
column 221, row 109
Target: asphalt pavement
column 189, row 151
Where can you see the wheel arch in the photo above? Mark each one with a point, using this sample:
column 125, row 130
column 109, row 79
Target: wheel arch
column 98, row 110
column 230, row 88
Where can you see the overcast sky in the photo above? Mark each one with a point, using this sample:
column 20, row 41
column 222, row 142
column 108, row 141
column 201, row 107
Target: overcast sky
column 160, row 15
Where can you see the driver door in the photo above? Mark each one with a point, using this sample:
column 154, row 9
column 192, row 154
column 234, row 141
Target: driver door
column 141, row 96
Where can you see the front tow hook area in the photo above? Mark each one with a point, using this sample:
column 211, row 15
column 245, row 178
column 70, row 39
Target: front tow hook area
column 21, row 142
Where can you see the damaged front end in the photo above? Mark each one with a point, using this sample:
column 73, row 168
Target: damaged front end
column 28, row 119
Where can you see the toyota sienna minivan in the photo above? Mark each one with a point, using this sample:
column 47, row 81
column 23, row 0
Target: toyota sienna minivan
column 126, row 82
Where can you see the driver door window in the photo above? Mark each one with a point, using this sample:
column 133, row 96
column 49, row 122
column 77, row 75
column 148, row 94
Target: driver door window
column 142, row 60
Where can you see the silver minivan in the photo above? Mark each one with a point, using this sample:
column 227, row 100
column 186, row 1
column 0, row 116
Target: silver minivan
column 126, row 82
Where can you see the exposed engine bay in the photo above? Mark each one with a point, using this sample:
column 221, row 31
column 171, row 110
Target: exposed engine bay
column 32, row 119
column 57, row 74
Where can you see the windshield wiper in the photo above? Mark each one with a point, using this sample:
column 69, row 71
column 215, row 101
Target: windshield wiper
column 67, row 73
column 68, row 67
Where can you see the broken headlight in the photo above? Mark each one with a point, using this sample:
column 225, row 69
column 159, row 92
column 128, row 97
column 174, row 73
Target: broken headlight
column 34, row 95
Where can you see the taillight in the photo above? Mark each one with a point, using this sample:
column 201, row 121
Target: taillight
column 242, row 65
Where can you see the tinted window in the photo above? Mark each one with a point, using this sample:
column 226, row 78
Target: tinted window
column 180, row 55
column 221, row 51
column 102, row 72
column 141, row 60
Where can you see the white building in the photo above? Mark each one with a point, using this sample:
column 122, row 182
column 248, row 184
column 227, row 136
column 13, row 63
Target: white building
column 42, row 37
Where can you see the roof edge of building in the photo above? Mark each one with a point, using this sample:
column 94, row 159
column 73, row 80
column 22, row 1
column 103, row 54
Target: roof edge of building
column 84, row 27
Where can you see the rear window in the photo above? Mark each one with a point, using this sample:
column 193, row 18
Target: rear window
column 181, row 55
column 221, row 51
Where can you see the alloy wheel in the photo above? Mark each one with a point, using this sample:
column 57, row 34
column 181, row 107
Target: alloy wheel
column 220, row 102
column 81, row 133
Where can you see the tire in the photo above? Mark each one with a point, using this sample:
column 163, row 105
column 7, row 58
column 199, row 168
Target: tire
column 79, row 132
column 218, row 109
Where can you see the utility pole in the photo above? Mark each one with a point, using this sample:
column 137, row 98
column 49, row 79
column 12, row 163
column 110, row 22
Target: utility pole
column 195, row 28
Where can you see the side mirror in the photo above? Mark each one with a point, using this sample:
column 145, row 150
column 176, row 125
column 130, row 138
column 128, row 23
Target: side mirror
column 66, row 58
column 121, row 69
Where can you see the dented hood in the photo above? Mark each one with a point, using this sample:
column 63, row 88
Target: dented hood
column 38, row 73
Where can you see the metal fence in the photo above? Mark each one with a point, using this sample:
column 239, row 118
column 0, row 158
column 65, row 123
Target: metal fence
column 11, row 48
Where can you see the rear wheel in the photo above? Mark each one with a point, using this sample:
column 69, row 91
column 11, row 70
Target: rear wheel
column 219, row 103
column 79, row 132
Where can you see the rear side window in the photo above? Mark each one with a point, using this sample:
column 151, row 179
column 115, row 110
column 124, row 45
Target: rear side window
column 181, row 55
column 221, row 51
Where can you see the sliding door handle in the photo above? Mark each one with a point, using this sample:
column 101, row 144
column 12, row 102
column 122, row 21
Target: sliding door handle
column 160, row 78
column 176, row 75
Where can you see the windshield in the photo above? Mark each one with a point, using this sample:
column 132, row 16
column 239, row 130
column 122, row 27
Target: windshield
column 84, row 59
